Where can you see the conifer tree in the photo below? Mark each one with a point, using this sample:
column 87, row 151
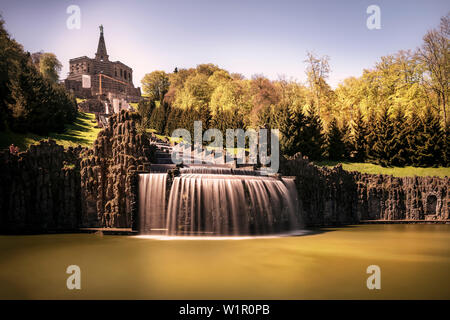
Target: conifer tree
column 382, row 148
column 336, row 148
column 158, row 118
column 173, row 120
column 313, row 137
column 347, row 139
column 371, row 137
column 414, row 138
column 291, row 123
column 145, row 109
column 398, row 141
column 359, row 138
column 429, row 151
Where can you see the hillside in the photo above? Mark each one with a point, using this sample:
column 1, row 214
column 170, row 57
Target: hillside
column 81, row 132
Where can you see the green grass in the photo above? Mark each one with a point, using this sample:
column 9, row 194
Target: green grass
column 81, row 132
column 395, row 171
column 162, row 137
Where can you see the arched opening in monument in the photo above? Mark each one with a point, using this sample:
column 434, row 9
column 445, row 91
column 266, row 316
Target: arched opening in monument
column 431, row 205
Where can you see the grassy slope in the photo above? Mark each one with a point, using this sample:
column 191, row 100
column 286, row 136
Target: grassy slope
column 82, row 132
column 395, row 171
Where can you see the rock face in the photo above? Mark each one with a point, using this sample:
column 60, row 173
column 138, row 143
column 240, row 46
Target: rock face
column 40, row 189
column 384, row 197
column 327, row 196
column 109, row 173
column 335, row 196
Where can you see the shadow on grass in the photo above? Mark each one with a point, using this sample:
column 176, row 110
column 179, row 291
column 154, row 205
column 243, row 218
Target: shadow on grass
column 330, row 163
column 81, row 131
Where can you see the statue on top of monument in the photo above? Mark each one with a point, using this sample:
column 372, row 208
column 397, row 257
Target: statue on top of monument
column 101, row 28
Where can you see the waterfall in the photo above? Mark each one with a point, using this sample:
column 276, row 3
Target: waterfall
column 219, row 202
column 152, row 202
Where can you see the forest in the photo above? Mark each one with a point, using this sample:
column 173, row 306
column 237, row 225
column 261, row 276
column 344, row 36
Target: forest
column 395, row 114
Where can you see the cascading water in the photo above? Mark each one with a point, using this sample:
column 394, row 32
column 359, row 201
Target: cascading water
column 217, row 201
column 218, row 170
column 152, row 202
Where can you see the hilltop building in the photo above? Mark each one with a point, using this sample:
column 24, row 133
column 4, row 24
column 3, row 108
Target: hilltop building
column 100, row 77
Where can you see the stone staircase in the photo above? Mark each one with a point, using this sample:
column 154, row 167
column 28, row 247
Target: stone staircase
column 163, row 159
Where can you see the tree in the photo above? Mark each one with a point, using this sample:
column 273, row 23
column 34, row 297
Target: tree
column 264, row 95
column 336, row 147
column 382, row 148
column 435, row 55
column 145, row 109
column 414, row 137
column 313, row 138
column 173, row 120
column 229, row 105
column 317, row 71
column 49, row 66
column 347, row 139
column 290, row 122
column 359, row 138
column 155, row 85
column 371, row 136
column 398, row 141
column 207, row 69
column 158, row 118
column 430, row 142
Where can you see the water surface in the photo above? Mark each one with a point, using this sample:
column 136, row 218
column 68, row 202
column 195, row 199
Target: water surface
column 329, row 264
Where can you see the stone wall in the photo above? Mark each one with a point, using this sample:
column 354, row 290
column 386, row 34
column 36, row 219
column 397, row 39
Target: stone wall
column 327, row 196
column 333, row 196
column 108, row 173
column 92, row 105
column 40, row 189
column 385, row 197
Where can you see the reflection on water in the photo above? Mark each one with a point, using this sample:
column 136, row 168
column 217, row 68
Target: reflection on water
column 328, row 264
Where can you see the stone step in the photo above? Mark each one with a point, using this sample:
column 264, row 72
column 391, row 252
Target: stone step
column 223, row 165
column 162, row 154
column 164, row 160
column 162, row 167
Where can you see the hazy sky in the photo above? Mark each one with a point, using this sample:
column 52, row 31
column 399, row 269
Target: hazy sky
column 249, row 37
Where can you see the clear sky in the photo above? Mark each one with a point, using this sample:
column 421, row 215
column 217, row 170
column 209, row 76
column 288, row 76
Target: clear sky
column 245, row 36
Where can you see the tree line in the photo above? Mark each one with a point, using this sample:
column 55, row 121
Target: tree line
column 394, row 114
column 31, row 99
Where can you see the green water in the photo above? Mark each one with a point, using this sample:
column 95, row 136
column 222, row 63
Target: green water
column 331, row 264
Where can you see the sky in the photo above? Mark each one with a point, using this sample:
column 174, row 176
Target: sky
column 246, row 36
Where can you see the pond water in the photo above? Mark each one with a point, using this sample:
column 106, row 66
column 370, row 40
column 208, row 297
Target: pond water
column 324, row 264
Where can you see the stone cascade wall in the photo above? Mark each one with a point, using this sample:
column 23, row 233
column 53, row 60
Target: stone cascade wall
column 109, row 173
column 327, row 196
column 40, row 189
column 333, row 196
column 385, row 197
